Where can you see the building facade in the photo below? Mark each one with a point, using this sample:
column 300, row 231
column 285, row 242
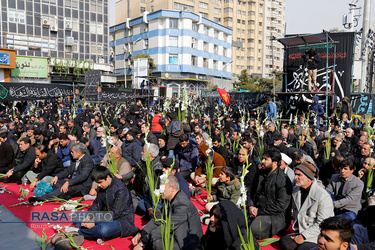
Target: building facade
column 56, row 29
column 254, row 23
column 188, row 51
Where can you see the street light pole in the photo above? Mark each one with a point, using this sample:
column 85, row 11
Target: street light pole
column 222, row 73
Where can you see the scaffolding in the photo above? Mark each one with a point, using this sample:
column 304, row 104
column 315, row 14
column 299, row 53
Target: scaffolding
column 297, row 41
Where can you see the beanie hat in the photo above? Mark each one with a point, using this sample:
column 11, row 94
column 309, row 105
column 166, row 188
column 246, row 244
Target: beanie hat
column 307, row 169
column 132, row 132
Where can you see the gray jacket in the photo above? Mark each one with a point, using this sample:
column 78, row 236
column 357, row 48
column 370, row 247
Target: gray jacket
column 185, row 225
column 352, row 192
column 307, row 217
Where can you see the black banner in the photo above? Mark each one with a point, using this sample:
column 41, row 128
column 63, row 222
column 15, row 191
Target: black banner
column 340, row 76
column 32, row 91
column 37, row 91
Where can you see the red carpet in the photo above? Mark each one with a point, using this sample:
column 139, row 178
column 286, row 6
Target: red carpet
column 24, row 213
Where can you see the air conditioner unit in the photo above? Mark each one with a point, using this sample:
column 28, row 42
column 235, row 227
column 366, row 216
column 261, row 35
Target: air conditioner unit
column 45, row 21
column 68, row 25
column 69, row 41
column 53, row 28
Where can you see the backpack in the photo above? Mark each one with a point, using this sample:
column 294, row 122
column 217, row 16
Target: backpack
column 176, row 128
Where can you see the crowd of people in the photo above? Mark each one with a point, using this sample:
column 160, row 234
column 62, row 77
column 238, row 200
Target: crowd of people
column 304, row 172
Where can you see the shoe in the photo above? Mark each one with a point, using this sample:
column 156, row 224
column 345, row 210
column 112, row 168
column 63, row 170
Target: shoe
column 65, row 243
column 60, row 236
column 35, row 199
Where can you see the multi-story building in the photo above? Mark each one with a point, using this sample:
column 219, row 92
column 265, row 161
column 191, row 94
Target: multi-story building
column 188, row 50
column 253, row 22
column 67, row 29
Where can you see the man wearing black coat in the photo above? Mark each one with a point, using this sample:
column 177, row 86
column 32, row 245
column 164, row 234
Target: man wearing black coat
column 6, row 154
column 47, row 165
column 79, row 175
column 113, row 196
column 26, row 161
column 74, row 129
column 218, row 148
column 269, row 197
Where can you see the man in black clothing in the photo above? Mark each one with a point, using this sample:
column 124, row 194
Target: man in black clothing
column 135, row 111
column 278, row 143
column 74, row 129
column 269, row 197
column 7, row 161
column 79, row 177
column 218, row 148
column 47, row 165
column 26, row 161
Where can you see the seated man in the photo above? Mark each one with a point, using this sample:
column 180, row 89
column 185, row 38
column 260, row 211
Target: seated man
column 346, row 190
column 95, row 148
column 115, row 197
column 222, row 232
column 200, row 174
column 7, row 160
column 123, row 167
column 185, row 223
column 186, row 153
column 132, row 148
column 311, row 205
column 47, row 165
column 269, row 197
column 26, row 161
column 79, row 175
column 64, row 150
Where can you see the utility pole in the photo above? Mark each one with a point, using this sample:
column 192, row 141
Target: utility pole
column 365, row 30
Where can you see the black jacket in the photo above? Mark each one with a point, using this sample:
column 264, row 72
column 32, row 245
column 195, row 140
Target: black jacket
column 26, row 161
column 117, row 199
column 271, row 194
column 50, row 166
column 7, row 161
column 83, row 175
column 223, row 152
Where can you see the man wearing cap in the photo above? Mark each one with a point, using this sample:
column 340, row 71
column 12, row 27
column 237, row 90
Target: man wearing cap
column 132, row 148
column 163, row 153
column 278, row 143
column 311, row 205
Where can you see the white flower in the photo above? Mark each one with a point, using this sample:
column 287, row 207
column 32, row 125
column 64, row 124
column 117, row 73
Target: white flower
column 2, row 191
column 261, row 134
column 162, row 188
column 20, row 199
column 157, row 192
column 163, row 178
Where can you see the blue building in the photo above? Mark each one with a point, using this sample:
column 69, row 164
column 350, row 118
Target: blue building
column 188, row 51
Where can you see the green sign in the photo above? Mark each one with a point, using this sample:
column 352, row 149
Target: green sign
column 35, row 67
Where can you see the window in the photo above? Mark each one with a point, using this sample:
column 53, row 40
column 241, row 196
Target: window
column 260, row 15
column 205, row 46
column 205, row 30
column 239, row 12
column 173, row 23
column 194, row 43
column 184, row 7
column 250, row 40
column 260, row 23
column 217, row 10
column 194, row 61
column 194, row 26
column 228, row 19
column 173, row 41
column 205, row 15
column 16, row 16
column 173, row 59
column 228, row 9
column 203, row 5
column 152, row 8
column 228, row 1
column 251, row 13
column 244, row 13
column 96, row 6
column 215, row 64
column 72, row 49
column 143, row 1
column 96, row 48
column 251, row 3
column 53, row 2
column 216, row 34
column 74, row 4
column 96, row 28
column 143, row 9
column 217, row 20
column 238, row 20
column 205, row 62
column 216, row 49
column 251, row 22
column 224, row 52
column 251, row 31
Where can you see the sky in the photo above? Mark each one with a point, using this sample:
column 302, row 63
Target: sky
column 312, row 16
column 305, row 16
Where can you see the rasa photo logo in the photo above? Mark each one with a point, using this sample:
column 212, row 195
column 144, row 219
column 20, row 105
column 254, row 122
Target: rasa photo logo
column 68, row 217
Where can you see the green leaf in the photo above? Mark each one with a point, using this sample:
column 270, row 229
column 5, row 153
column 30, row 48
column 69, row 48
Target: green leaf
column 268, row 241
